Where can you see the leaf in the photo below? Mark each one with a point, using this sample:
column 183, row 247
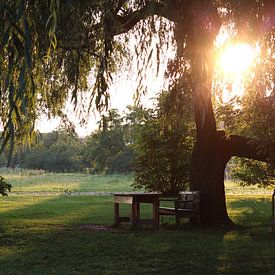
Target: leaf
column 158, row 60
column 22, row 82
column 149, row 58
column 5, row 39
column 11, row 149
column 28, row 43
column 54, row 41
column 4, row 138
column 54, row 26
column 18, row 117
column 18, row 44
column 48, row 22
column 20, row 10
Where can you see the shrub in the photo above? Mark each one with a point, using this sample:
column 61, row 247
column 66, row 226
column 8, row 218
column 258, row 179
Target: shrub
column 4, row 187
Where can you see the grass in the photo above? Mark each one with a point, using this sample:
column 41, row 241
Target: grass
column 39, row 181
column 60, row 234
column 61, row 182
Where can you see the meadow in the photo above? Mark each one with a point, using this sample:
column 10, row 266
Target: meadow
column 45, row 230
column 39, row 182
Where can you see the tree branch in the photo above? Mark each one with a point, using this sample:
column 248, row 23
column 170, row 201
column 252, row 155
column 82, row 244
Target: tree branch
column 250, row 148
column 171, row 9
column 119, row 5
column 125, row 23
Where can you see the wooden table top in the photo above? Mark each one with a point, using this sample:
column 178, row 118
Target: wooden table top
column 136, row 194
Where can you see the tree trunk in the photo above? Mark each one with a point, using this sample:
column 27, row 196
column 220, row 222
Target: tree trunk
column 209, row 160
column 208, row 166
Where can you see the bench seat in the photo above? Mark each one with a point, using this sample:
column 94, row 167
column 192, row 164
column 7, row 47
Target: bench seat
column 186, row 206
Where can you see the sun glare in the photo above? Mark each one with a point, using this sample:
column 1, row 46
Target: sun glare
column 232, row 65
column 236, row 59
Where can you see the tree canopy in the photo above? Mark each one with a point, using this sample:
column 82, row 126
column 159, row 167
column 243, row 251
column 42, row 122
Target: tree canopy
column 49, row 48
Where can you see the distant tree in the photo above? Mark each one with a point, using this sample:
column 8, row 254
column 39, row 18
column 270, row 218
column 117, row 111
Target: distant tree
column 249, row 172
column 58, row 151
column 106, row 150
column 123, row 161
column 46, row 140
column 67, row 153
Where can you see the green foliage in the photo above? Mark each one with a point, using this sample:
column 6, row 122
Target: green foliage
column 48, row 51
column 4, row 187
column 106, row 150
column 58, row 151
column 163, row 144
column 16, row 75
column 252, row 172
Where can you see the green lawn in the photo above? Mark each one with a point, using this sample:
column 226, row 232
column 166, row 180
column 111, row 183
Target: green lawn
column 60, row 182
column 58, row 234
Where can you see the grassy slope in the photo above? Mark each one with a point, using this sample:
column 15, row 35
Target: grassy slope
column 53, row 235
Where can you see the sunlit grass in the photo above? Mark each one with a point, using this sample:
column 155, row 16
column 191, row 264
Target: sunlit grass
column 233, row 188
column 60, row 182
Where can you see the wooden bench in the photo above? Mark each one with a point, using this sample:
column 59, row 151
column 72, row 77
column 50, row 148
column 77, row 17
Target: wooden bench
column 186, row 206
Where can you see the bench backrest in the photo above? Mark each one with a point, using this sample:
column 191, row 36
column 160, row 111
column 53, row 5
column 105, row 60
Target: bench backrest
column 189, row 200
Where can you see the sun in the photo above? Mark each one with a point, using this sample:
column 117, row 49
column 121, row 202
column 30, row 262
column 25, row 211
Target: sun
column 236, row 59
column 233, row 65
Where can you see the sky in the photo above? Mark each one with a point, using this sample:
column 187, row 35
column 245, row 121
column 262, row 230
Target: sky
column 122, row 90
column 121, row 95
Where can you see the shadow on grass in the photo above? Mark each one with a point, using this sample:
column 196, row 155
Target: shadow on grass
column 46, row 238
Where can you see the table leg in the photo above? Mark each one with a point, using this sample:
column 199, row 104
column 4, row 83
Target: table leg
column 134, row 214
column 138, row 213
column 116, row 208
column 156, row 214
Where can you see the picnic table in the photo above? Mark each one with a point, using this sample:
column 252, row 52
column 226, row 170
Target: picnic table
column 135, row 199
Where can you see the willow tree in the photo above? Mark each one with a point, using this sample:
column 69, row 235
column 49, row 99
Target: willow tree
column 49, row 48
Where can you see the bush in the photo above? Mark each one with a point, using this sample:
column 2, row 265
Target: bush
column 4, row 187
column 163, row 143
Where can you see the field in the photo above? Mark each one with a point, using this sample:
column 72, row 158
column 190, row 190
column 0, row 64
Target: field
column 46, row 228
column 52, row 183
